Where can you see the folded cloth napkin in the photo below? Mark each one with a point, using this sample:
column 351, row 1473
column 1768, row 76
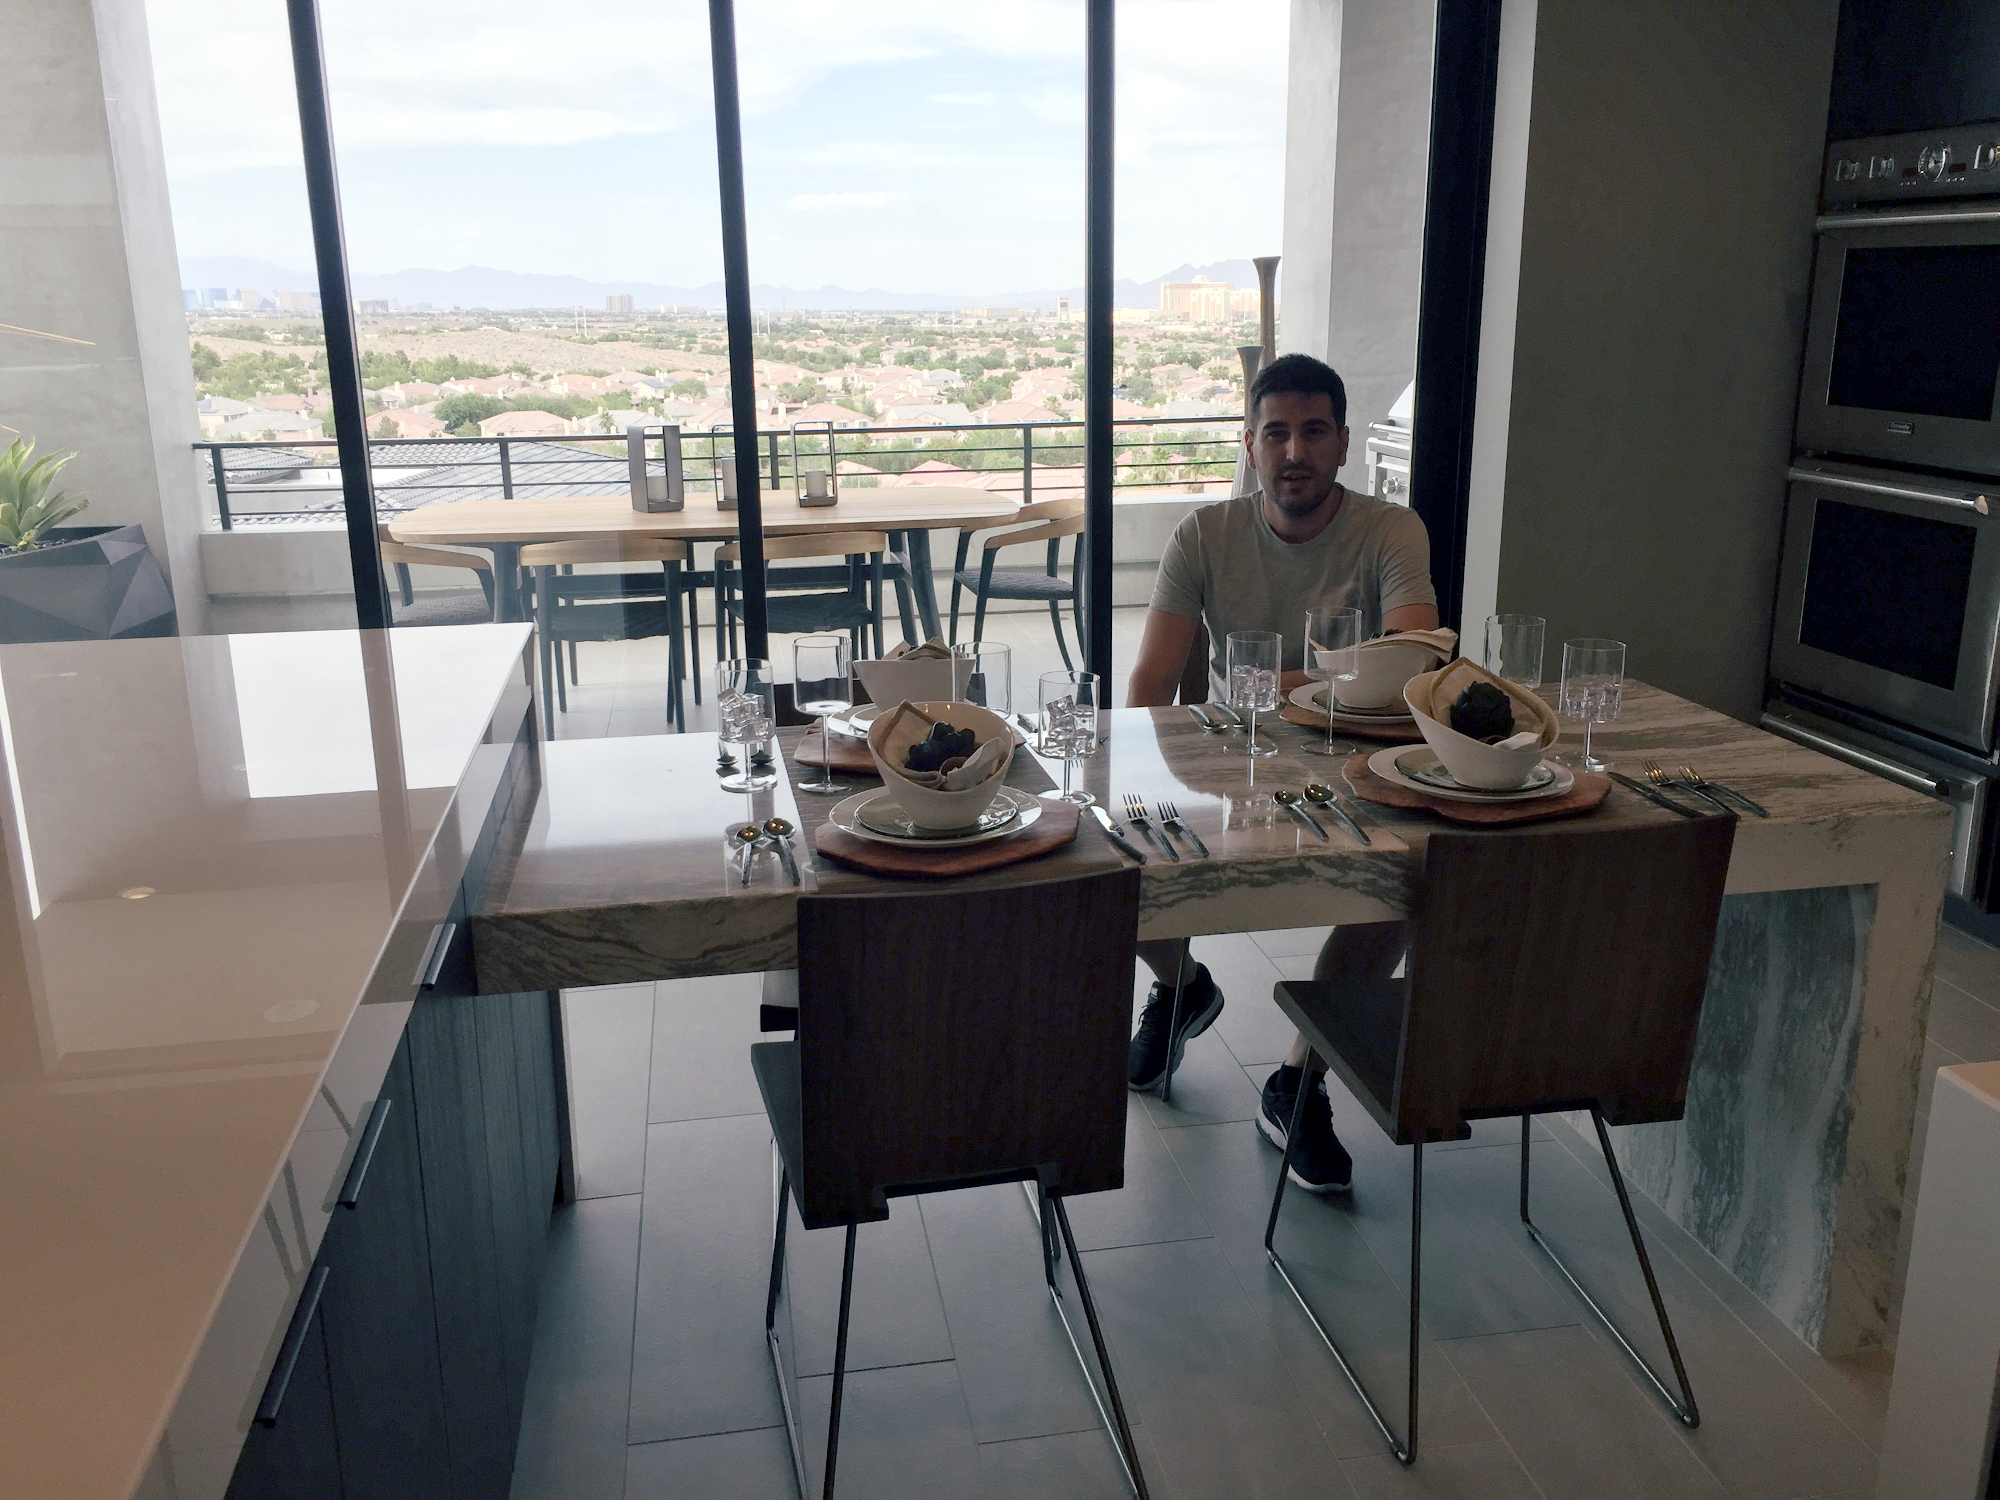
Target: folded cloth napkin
column 905, row 724
column 928, row 673
column 1531, row 714
column 1443, row 641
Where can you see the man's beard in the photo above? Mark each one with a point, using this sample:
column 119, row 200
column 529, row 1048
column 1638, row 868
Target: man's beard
column 1298, row 505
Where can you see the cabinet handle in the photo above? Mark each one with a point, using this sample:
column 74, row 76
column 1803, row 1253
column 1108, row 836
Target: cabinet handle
column 371, row 1136
column 291, row 1348
column 434, row 955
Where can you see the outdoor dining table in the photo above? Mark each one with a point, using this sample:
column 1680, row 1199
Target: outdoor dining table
column 506, row 525
column 1790, row 1163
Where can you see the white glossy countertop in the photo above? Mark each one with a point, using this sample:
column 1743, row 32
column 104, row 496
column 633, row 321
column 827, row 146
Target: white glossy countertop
column 209, row 845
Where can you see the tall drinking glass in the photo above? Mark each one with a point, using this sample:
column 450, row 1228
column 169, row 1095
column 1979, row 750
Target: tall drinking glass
column 1253, row 657
column 1593, row 688
column 1069, row 702
column 1333, row 654
column 822, row 684
column 1514, row 648
column 983, row 673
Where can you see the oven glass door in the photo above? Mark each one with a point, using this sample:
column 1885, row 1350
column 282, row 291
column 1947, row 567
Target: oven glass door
column 1891, row 604
column 1903, row 346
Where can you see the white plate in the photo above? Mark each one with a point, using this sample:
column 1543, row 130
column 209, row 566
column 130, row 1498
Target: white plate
column 843, row 817
column 1307, row 696
column 1386, row 764
column 1434, row 774
column 887, row 817
column 854, row 723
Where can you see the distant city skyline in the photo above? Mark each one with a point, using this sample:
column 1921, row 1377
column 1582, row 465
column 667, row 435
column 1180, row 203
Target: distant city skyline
column 921, row 148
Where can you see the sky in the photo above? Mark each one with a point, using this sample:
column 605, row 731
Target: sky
column 911, row 145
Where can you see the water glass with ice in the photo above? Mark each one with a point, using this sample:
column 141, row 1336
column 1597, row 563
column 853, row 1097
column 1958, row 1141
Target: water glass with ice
column 1253, row 657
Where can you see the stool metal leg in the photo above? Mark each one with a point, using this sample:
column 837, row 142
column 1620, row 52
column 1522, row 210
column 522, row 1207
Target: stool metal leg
column 771, row 1334
column 1405, row 1451
column 1053, row 1220
column 839, row 1364
column 1684, row 1409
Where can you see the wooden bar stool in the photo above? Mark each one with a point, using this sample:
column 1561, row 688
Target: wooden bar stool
column 589, row 608
column 1054, row 520
column 854, row 608
column 1552, row 968
column 936, row 1049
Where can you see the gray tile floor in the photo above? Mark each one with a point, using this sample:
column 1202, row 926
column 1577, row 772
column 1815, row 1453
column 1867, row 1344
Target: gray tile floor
column 650, row 1380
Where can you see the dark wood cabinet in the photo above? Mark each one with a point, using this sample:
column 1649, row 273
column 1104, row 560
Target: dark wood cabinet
column 298, row 1456
column 411, row 1380
column 382, row 1358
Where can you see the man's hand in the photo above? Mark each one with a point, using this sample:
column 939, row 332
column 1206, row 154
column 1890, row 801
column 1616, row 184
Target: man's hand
column 1163, row 653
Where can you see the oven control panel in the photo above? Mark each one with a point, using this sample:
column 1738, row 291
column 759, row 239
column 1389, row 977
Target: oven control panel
column 1960, row 162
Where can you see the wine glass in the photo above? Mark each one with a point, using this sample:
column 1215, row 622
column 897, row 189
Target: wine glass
column 1593, row 688
column 983, row 673
column 1253, row 657
column 822, row 684
column 1333, row 640
column 1069, row 702
column 1514, row 648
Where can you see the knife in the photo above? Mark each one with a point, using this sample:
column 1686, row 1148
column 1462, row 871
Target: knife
column 1111, row 832
column 1652, row 796
column 1308, row 819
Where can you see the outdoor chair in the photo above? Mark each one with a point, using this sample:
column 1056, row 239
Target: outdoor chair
column 570, row 607
column 1054, row 520
column 854, row 608
column 934, row 1051
column 1550, row 968
column 459, row 607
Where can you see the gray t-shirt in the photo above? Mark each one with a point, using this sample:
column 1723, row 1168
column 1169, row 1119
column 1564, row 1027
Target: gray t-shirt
column 1225, row 565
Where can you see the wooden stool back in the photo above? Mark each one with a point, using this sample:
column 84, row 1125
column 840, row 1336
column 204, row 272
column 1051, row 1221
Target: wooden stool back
column 1558, row 966
column 950, row 1037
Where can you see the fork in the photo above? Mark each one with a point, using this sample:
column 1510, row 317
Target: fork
column 1699, row 782
column 1657, row 774
column 1135, row 814
column 1170, row 819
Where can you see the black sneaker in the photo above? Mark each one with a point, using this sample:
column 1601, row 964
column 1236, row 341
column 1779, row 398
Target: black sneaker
column 1320, row 1164
column 1150, row 1058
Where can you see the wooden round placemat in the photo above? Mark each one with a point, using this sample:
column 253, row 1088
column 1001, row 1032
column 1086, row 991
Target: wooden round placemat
column 1052, row 830
column 1360, row 729
column 849, row 756
column 1590, row 789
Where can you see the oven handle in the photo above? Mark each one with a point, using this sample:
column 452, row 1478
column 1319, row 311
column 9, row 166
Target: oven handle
column 1896, row 217
column 1916, row 781
column 1979, row 503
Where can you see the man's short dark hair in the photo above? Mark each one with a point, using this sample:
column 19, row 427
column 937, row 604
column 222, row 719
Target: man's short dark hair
column 1300, row 374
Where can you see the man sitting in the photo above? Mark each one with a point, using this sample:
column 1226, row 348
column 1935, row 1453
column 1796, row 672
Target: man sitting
column 1259, row 562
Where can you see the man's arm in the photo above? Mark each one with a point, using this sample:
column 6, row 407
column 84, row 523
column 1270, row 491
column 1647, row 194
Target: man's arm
column 1410, row 617
column 1163, row 652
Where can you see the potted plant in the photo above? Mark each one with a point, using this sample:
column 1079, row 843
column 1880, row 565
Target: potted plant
column 70, row 583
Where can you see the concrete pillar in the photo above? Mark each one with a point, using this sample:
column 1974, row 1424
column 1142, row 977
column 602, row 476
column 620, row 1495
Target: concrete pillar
column 87, row 253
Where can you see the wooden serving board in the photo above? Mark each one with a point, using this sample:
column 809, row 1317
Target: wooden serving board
column 1590, row 789
column 850, row 756
column 1055, row 828
column 1360, row 729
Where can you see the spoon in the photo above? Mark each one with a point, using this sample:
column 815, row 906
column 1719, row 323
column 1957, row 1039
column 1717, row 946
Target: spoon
column 1321, row 795
column 781, row 830
column 747, row 836
column 1290, row 801
column 1202, row 719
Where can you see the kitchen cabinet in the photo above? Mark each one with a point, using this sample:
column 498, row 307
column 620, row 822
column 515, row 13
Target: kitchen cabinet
column 412, row 1378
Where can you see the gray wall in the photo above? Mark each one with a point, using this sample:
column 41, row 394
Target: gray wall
column 1356, row 168
column 87, row 251
column 1663, row 205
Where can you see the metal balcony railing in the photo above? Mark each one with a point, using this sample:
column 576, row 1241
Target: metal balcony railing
column 286, row 483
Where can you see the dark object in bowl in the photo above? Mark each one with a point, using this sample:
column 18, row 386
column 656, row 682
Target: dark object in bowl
column 1483, row 712
column 943, row 743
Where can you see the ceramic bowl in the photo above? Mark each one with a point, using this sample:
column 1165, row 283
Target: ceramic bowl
column 929, row 808
column 1473, row 762
column 1384, row 670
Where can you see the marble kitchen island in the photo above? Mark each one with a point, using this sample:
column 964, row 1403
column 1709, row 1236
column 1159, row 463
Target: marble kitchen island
column 1789, row 1166
column 229, row 864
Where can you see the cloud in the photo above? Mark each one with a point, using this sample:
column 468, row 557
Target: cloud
column 966, row 99
column 811, row 202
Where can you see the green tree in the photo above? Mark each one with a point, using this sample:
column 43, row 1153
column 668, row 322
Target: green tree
column 461, row 411
column 693, row 390
column 380, row 367
column 205, row 361
column 448, row 367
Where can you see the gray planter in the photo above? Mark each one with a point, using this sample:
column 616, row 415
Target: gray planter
column 86, row 583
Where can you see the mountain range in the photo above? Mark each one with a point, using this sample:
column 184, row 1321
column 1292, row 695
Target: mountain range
column 483, row 287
